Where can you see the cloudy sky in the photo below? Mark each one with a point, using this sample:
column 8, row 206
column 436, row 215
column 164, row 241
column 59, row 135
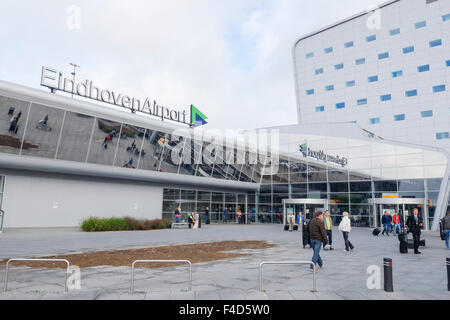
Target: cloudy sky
column 232, row 59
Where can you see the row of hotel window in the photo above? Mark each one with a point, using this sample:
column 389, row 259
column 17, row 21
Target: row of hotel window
column 383, row 56
column 371, row 38
column 386, row 97
column 371, row 79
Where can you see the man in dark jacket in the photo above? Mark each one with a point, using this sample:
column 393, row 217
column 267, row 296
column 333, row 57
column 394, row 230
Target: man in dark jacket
column 414, row 224
column 446, row 228
column 318, row 238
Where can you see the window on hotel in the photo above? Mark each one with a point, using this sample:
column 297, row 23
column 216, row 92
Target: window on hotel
column 423, row 68
column 374, row 120
column 439, row 88
column 361, row 102
column 399, row 117
column 371, row 38
column 320, row 109
column 420, row 24
column 446, row 17
column 340, row 105
column 430, row 1
column 350, row 83
column 310, row 92
column 385, row 97
column 397, row 74
column 328, row 50
column 442, row 135
column 383, row 55
column 319, row 71
column 447, row 63
column 309, row 55
column 360, row 61
column 329, row 87
column 394, row 32
column 349, row 44
column 408, row 49
column 426, row 114
column 435, row 43
column 411, row 93
column 339, row 66
column 373, row 79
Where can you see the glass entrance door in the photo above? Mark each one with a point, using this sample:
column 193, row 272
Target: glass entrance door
column 383, row 209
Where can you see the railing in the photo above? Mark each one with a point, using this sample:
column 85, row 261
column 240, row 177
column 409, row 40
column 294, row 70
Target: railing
column 42, row 260
column 287, row 262
column 160, row 261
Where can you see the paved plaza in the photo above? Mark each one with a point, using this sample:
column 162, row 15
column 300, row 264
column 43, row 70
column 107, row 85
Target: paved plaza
column 343, row 277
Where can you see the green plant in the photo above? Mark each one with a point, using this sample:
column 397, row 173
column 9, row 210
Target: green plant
column 94, row 224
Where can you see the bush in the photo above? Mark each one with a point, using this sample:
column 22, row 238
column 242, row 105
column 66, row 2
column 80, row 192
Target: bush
column 94, row 224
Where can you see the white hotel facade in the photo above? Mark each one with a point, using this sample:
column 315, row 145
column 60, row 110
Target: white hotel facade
column 387, row 70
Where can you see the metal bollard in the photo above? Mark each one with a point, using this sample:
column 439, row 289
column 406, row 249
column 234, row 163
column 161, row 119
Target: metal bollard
column 448, row 274
column 388, row 281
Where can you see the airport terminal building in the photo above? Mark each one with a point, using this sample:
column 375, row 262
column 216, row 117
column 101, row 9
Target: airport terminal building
column 63, row 160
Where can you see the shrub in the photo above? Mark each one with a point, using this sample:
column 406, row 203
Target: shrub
column 94, row 224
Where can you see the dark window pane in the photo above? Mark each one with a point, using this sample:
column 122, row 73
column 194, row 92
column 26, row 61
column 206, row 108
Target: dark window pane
column 411, row 185
column 339, row 187
column 360, row 186
column 299, row 188
column 130, row 144
column 104, row 142
column 43, row 129
column 280, row 188
column 75, row 137
column 390, row 185
column 13, row 114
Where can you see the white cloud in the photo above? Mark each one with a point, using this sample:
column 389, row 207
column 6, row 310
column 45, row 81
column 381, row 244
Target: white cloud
column 174, row 51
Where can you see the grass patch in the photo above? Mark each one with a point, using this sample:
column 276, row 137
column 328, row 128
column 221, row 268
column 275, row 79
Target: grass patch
column 94, row 224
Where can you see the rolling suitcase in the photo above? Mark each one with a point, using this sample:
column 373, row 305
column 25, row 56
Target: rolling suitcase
column 305, row 235
column 422, row 243
column 410, row 244
column 295, row 227
column 286, row 227
column 403, row 238
column 376, row 231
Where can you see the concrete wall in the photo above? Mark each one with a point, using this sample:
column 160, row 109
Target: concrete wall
column 43, row 200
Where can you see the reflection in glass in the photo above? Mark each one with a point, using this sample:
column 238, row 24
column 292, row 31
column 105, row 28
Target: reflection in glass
column 104, row 141
column 129, row 148
column 13, row 114
column 43, row 130
column 75, row 137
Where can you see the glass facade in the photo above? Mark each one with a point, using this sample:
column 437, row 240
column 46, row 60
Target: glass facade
column 348, row 173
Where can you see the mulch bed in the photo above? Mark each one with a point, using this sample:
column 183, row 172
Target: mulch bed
column 201, row 252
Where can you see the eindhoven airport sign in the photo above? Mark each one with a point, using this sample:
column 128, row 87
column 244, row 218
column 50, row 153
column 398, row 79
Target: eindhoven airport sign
column 322, row 156
column 55, row 81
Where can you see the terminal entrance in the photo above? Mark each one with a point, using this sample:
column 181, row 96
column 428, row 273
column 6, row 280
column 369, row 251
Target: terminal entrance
column 306, row 206
column 403, row 206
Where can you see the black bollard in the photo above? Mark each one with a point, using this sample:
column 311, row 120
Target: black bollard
column 388, row 281
column 448, row 274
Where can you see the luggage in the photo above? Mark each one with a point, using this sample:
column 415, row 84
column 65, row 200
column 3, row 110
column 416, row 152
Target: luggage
column 286, row 227
column 403, row 238
column 410, row 244
column 403, row 247
column 441, row 230
column 305, row 235
column 422, row 243
column 376, row 231
column 295, row 227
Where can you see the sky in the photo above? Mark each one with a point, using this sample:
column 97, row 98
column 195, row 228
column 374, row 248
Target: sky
column 231, row 59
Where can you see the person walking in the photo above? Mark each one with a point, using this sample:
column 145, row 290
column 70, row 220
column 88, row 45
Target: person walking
column 414, row 224
column 396, row 222
column 225, row 215
column 328, row 228
column 207, row 215
column 290, row 220
column 239, row 216
column 318, row 237
column 178, row 214
column 191, row 219
column 345, row 227
column 386, row 223
column 446, row 227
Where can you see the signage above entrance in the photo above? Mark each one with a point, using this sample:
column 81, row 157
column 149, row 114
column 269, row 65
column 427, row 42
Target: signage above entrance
column 320, row 155
column 55, row 81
